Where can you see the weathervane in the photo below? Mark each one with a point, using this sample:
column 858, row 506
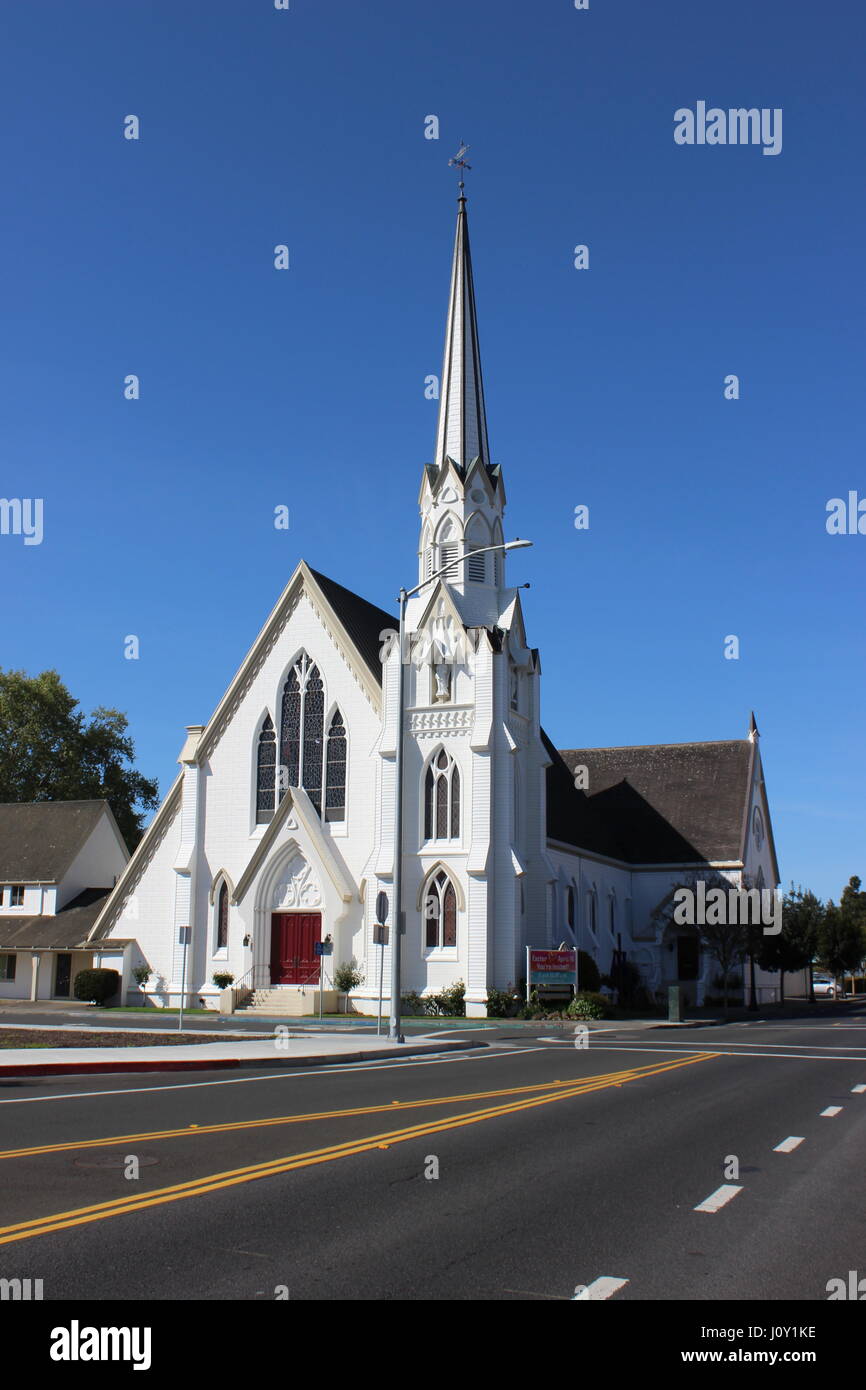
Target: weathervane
column 458, row 162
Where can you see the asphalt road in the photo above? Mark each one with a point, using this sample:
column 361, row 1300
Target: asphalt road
column 558, row 1167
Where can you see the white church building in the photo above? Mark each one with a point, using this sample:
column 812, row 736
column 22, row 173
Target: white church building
column 278, row 833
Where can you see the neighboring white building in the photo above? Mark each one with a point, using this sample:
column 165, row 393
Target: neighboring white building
column 279, row 831
column 58, row 863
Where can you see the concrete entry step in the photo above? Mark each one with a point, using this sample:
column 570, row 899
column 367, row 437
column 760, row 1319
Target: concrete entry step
column 292, row 1003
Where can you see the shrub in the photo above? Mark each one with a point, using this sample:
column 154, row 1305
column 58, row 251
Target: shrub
column 502, row 1003
column 141, row 975
column 454, row 999
column 97, row 986
column 449, row 1003
column 587, row 973
column 222, row 980
column 411, row 1003
column 347, row 976
column 587, row 1005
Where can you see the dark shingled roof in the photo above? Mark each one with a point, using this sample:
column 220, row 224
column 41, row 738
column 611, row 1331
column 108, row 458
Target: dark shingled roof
column 40, row 839
column 362, row 620
column 62, row 932
column 653, row 804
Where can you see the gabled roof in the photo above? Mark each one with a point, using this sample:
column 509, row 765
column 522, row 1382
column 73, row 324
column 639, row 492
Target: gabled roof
column 40, row 839
column 363, row 621
column 64, row 931
column 656, row 803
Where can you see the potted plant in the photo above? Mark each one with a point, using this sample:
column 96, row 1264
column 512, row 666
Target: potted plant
column 346, row 977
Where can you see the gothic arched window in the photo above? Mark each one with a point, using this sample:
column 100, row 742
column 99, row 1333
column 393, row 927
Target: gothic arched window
column 593, row 910
column 569, row 907
column 222, row 925
column 266, row 772
column 312, row 756
column 335, row 769
column 302, row 732
column 290, row 732
column 440, row 911
column 442, row 799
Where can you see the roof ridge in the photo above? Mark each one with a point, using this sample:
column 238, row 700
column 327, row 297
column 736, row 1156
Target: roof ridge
column 628, row 747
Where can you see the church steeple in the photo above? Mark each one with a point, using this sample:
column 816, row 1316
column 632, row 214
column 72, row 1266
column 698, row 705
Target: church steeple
column 462, row 497
column 462, row 429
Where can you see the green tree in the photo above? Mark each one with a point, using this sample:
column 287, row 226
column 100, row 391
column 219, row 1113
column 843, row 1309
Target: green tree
column 795, row 946
column 841, row 940
column 50, row 751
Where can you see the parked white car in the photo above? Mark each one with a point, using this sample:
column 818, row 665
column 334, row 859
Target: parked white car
column 826, row 988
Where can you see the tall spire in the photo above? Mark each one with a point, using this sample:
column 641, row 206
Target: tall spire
column 462, row 430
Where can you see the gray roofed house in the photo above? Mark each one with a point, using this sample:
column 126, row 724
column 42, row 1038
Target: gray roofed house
column 59, row 861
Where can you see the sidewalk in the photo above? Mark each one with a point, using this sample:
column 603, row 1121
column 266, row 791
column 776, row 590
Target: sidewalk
column 286, row 1050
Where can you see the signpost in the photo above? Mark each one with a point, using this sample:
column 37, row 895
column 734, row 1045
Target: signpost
column 380, row 938
column 322, row 948
column 183, row 940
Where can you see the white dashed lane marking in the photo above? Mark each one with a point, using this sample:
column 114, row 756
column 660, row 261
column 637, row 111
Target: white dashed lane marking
column 788, row 1145
column 605, row 1287
column 719, row 1198
column 858, row 1090
column 831, row 1111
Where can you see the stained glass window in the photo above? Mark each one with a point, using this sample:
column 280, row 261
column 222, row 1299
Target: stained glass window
column 266, row 775
column 449, row 916
column 335, row 770
column 290, row 733
column 302, row 735
column 441, row 912
column 314, row 737
column 223, row 918
column 442, row 799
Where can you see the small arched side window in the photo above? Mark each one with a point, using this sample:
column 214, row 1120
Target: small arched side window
column 266, row 772
column 440, row 911
column 335, row 770
column 222, row 925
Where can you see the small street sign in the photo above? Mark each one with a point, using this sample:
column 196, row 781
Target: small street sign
column 380, row 935
column 382, row 907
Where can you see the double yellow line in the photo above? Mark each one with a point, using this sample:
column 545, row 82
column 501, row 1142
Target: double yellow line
column 544, row 1094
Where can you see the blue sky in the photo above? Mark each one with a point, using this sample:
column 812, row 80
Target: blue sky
column 306, row 388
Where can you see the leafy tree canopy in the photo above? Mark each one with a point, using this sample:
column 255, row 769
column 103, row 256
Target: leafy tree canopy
column 796, row 944
column 50, row 751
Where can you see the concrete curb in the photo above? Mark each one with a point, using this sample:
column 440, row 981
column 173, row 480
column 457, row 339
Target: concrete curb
column 214, row 1063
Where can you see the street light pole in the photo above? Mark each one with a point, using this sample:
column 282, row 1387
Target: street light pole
column 396, row 913
column 394, row 1033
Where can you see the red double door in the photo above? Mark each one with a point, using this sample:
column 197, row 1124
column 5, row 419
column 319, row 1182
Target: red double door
column 293, row 936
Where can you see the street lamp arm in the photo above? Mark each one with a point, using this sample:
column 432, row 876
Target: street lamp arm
column 461, row 559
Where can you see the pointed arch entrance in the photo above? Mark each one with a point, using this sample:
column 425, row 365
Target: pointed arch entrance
column 295, row 924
